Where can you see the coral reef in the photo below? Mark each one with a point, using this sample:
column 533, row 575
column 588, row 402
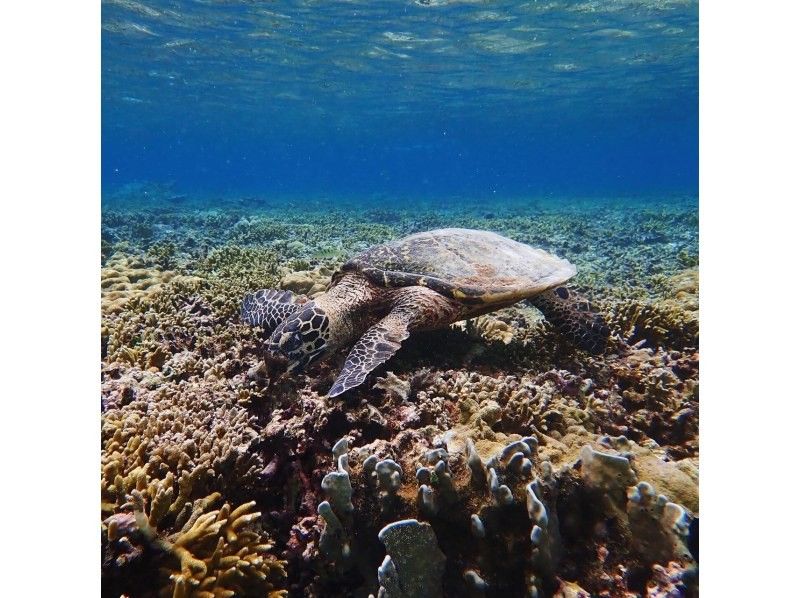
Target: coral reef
column 307, row 282
column 232, row 271
column 176, row 437
column 167, row 457
column 488, row 460
column 464, row 531
column 671, row 322
column 124, row 278
column 211, row 552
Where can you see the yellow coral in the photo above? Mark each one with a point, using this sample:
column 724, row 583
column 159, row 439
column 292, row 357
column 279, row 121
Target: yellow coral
column 222, row 554
column 213, row 553
column 489, row 328
column 189, row 433
column 671, row 321
column 124, row 278
column 308, row 282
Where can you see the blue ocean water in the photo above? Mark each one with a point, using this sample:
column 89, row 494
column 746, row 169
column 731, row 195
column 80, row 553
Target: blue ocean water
column 396, row 98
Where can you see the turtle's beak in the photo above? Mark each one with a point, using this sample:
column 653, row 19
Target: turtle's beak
column 294, row 366
column 276, row 366
column 304, row 360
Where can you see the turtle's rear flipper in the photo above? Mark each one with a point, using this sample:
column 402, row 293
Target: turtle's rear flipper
column 571, row 314
column 269, row 307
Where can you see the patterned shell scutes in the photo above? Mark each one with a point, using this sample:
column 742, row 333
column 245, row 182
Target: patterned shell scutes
column 473, row 266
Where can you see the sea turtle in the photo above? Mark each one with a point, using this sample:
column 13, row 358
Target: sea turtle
column 423, row 281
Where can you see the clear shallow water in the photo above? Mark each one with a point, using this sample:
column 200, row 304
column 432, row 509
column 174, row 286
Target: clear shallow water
column 402, row 99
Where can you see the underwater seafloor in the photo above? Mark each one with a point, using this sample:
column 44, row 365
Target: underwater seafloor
column 535, row 469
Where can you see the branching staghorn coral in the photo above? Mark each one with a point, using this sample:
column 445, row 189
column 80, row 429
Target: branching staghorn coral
column 197, row 436
column 200, row 552
column 168, row 454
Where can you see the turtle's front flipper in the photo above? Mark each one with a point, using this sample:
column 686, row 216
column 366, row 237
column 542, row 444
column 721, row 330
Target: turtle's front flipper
column 573, row 317
column 269, row 307
column 377, row 345
column 413, row 308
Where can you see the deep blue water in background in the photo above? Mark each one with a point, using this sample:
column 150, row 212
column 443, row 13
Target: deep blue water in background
column 402, row 99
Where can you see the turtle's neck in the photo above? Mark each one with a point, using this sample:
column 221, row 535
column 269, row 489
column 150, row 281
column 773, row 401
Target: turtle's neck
column 352, row 305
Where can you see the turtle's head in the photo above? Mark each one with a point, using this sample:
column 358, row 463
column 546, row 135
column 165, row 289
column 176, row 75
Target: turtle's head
column 301, row 338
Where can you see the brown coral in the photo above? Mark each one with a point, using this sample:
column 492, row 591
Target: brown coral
column 176, row 437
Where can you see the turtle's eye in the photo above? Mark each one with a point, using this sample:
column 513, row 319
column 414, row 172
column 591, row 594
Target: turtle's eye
column 302, row 338
column 289, row 338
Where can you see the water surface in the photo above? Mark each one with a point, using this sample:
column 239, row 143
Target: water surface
column 427, row 99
